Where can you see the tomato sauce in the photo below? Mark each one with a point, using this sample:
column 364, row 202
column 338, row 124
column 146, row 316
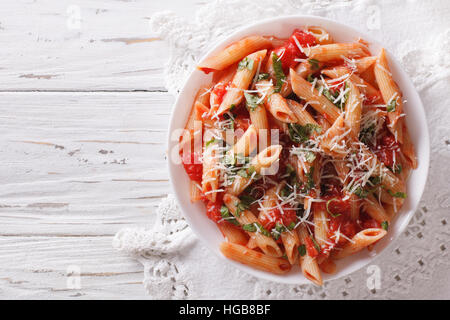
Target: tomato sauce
column 386, row 149
column 290, row 50
column 192, row 165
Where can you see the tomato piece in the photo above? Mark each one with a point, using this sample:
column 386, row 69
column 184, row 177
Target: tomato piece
column 213, row 210
column 219, row 90
column 287, row 54
column 193, row 166
column 386, row 149
column 274, row 216
column 311, row 248
column 305, row 39
column 338, row 206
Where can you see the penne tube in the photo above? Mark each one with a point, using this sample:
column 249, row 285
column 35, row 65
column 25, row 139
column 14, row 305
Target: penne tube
column 353, row 110
column 233, row 234
column 309, row 265
column 335, row 51
column 291, row 242
column 328, row 266
column 407, row 147
column 375, row 209
column 342, row 74
column 247, row 143
column 246, row 217
column 210, row 176
column 320, row 103
column 234, row 53
column 275, row 103
column 195, row 191
column 263, row 160
column 360, row 241
column 241, row 81
column 254, row 258
column 252, row 243
column 361, row 65
column 320, row 220
column 307, row 68
column 334, row 143
column 321, row 35
column 392, row 96
column 303, row 116
column 286, row 88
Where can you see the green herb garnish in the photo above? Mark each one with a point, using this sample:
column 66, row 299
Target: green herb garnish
column 279, row 74
column 225, row 213
column 385, row 225
column 300, row 134
column 314, row 63
column 246, row 63
column 391, row 106
column 397, row 194
column 253, row 101
column 262, row 76
column 302, row 250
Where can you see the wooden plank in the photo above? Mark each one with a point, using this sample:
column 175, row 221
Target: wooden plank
column 81, row 163
column 46, row 267
column 83, row 45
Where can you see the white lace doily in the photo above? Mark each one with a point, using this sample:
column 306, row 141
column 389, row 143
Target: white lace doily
column 179, row 266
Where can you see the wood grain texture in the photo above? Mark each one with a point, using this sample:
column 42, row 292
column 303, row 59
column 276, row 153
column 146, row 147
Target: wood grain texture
column 82, row 45
column 78, row 167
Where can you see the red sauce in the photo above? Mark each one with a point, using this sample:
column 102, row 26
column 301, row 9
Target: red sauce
column 219, row 90
column 270, row 219
column 193, row 166
column 386, row 148
column 213, row 210
column 290, row 51
column 310, row 248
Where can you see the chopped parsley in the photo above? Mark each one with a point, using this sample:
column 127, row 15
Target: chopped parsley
column 314, row 63
column 302, row 250
column 279, row 74
column 367, row 133
column 309, row 182
column 385, row 225
column 210, row 142
column 225, row 213
column 300, row 134
column 328, row 209
column 246, row 63
column 397, row 194
column 262, row 76
column 391, row 106
column 253, row 101
column 360, row 192
column 255, row 227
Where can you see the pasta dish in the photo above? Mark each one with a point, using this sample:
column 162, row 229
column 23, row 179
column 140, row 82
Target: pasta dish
column 299, row 150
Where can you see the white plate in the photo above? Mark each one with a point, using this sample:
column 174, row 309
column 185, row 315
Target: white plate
column 415, row 119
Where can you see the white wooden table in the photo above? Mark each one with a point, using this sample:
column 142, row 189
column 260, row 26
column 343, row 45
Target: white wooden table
column 83, row 119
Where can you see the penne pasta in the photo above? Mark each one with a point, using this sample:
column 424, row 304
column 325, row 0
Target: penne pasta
column 293, row 153
column 335, row 51
column 392, row 97
column 241, row 81
column 233, row 234
column 304, row 90
column 353, row 110
column 263, row 160
column 234, row 53
column 246, row 217
column 309, row 265
column 360, row 241
column 254, row 258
